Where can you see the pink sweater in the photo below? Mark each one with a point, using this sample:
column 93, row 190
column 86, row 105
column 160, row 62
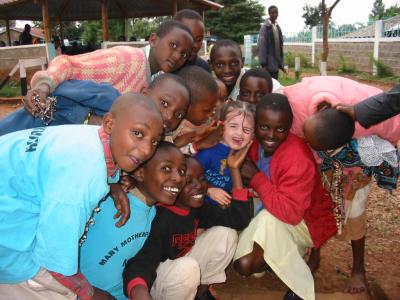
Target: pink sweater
column 305, row 96
column 123, row 66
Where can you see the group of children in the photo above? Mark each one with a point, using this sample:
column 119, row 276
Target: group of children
column 180, row 201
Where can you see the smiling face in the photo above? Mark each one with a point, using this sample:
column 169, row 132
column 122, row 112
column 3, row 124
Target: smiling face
column 273, row 14
column 238, row 130
column 272, row 129
column 170, row 52
column 172, row 99
column 252, row 89
column 201, row 110
column 193, row 193
column 163, row 177
column 134, row 129
column 227, row 63
column 197, row 29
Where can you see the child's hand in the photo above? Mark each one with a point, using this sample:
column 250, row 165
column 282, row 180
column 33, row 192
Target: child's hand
column 236, row 159
column 121, row 203
column 43, row 90
column 213, row 138
column 126, row 181
column 347, row 109
column 248, row 170
column 219, row 195
column 101, row 295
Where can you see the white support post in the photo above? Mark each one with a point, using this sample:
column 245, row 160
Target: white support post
column 378, row 36
column 313, row 41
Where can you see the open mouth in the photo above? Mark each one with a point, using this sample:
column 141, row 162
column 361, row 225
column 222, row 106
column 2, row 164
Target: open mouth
column 228, row 78
column 237, row 141
column 171, row 190
column 270, row 143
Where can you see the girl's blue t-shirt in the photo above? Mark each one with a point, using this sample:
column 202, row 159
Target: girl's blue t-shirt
column 52, row 178
column 216, row 170
column 107, row 248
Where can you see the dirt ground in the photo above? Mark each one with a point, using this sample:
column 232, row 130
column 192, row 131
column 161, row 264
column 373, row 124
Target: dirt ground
column 382, row 258
column 382, row 255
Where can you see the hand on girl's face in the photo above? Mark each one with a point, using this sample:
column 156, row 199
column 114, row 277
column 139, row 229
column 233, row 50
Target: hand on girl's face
column 236, row 158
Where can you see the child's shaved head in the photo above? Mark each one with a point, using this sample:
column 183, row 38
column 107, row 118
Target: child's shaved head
column 132, row 101
column 135, row 126
column 203, row 94
column 198, row 81
column 328, row 129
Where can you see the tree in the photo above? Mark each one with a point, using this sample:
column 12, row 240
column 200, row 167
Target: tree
column 143, row 27
column 324, row 14
column 72, row 30
column 378, row 10
column 225, row 22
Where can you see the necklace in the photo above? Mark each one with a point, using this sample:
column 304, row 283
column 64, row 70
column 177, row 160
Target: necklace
column 90, row 222
column 335, row 189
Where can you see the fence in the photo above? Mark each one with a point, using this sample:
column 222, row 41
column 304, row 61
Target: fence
column 356, row 44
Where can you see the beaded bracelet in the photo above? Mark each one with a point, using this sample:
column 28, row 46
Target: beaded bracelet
column 45, row 114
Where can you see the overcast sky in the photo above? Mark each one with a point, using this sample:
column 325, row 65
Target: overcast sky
column 346, row 11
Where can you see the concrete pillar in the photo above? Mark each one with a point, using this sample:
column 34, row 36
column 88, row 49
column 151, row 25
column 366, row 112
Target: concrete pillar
column 378, row 36
column 313, row 41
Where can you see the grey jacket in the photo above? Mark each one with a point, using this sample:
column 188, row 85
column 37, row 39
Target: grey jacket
column 378, row 108
column 266, row 47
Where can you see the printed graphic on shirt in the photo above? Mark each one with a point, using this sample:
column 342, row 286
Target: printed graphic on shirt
column 112, row 252
column 218, row 180
column 183, row 242
column 33, row 139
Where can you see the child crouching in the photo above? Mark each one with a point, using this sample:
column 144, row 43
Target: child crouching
column 176, row 263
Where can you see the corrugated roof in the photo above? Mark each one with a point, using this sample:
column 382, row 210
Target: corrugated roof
column 74, row 10
column 369, row 31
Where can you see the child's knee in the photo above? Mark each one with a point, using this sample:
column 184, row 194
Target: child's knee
column 188, row 272
column 243, row 266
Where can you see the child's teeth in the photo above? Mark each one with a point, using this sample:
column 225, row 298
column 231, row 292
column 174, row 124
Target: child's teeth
column 197, row 196
column 171, row 189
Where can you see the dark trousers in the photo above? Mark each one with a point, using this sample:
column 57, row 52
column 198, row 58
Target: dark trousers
column 274, row 74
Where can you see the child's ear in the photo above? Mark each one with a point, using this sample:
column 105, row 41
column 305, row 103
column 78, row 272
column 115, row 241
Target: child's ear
column 153, row 40
column 138, row 174
column 144, row 90
column 108, row 122
column 242, row 62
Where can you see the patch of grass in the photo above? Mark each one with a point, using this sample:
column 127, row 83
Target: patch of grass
column 383, row 70
column 286, row 80
column 343, row 67
column 11, row 89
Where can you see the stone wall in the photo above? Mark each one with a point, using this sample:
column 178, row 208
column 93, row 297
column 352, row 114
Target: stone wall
column 389, row 53
column 355, row 54
column 299, row 50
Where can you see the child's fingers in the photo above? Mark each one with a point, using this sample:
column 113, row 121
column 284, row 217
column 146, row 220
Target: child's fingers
column 124, row 210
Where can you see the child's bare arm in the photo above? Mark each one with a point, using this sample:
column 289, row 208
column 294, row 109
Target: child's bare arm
column 121, row 203
column 140, row 292
column 78, row 284
column 235, row 161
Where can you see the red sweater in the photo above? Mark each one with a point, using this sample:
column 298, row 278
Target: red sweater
column 295, row 191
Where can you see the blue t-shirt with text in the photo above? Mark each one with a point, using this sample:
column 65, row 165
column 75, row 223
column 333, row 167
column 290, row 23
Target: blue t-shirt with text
column 52, row 178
